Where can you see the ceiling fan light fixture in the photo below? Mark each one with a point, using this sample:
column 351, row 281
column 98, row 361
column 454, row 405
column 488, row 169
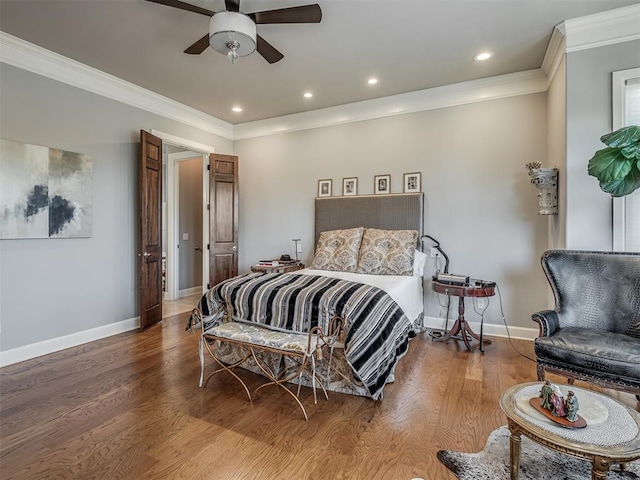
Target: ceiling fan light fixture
column 233, row 51
column 232, row 34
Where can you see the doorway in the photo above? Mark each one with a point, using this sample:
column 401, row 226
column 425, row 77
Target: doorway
column 183, row 231
column 185, row 223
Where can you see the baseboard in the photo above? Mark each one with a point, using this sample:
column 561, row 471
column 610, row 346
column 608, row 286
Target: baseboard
column 489, row 329
column 189, row 291
column 27, row 352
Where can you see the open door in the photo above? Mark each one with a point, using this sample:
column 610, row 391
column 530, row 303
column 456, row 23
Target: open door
column 150, row 252
column 223, row 218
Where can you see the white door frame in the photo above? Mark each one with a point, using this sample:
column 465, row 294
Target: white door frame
column 172, row 204
column 618, row 96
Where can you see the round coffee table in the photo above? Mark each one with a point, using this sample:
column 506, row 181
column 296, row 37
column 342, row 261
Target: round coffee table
column 612, row 434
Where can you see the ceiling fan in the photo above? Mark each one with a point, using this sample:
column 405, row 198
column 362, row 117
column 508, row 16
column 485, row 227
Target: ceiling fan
column 233, row 33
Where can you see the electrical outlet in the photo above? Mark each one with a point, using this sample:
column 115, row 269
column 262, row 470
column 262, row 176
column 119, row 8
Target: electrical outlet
column 482, row 302
column 434, row 252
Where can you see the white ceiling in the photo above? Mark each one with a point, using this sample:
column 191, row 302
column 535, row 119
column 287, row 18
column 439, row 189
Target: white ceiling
column 408, row 45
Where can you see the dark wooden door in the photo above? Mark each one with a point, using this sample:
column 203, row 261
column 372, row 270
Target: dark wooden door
column 150, row 253
column 223, row 218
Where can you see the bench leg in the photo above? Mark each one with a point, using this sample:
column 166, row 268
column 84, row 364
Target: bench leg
column 201, row 355
column 314, row 379
column 228, row 368
column 278, row 381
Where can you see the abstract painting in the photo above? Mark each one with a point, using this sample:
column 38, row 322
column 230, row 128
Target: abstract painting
column 44, row 192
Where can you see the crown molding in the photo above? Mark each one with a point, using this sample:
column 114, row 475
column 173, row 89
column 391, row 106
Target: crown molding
column 513, row 84
column 555, row 52
column 27, row 56
column 604, row 28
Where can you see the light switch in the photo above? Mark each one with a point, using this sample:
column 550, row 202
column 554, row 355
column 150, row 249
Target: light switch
column 185, row 236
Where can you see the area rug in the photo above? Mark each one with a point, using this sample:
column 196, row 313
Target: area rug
column 536, row 462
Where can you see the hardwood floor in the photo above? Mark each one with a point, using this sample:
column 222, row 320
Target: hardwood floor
column 129, row 407
column 180, row 305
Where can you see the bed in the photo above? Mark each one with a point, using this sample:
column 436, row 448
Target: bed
column 365, row 272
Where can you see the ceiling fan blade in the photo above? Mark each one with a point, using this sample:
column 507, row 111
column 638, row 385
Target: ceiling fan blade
column 302, row 14
column 184, row 6
column 232, row 5
column 268, row 51
column 198, row 47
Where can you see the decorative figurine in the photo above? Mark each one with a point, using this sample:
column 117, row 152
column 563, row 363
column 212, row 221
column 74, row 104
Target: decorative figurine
column 557, row 401
column 551, row 403
column 571, row 406
column 545, row 393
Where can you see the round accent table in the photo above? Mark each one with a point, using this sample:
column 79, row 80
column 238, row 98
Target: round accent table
column 612, row 434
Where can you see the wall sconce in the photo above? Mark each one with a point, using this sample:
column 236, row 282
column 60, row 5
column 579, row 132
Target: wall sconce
column 545, row 180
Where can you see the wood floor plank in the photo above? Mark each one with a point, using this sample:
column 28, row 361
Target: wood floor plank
column 129, row 407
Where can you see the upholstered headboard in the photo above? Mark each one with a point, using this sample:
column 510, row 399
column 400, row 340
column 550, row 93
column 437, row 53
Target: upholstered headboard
column 404, row 211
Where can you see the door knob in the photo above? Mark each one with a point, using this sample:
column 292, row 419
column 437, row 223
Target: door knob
column 198, row 249
column 234, row 248
column 146, row 254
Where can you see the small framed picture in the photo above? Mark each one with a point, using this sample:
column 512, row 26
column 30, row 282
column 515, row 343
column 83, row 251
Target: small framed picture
column 381, row 184
column 324, row 188
column 412, row 182
column 350, row 186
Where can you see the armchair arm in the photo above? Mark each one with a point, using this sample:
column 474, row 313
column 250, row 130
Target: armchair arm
column 547, row 321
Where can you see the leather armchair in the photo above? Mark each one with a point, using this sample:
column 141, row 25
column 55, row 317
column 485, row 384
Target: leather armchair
column 593, row 334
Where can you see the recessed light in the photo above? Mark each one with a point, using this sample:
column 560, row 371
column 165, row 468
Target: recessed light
column 237, row 109
column 372, row 81
column 308, row 94
column 483, row 56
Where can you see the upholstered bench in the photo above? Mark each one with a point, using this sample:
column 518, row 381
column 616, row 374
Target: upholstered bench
column 301, row 348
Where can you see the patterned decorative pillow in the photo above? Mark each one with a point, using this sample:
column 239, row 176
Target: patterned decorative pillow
column 338, row 250
column 387, row 252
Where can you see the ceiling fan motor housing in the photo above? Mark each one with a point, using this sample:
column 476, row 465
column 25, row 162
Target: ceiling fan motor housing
column 230, row 27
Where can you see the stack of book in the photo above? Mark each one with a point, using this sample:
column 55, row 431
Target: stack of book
column 276, row 263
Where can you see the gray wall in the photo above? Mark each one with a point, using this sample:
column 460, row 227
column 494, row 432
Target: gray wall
column 589, row 116
column 52, row 288
column 478, row 199
column 190, row 222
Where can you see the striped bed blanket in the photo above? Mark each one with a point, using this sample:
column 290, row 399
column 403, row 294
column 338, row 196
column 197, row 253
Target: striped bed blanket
column 376, row 328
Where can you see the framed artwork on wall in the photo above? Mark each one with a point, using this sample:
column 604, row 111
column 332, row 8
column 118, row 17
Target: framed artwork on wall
column 44, row 192
column 412, row 182
column 350, row 186
column 381, row 184
column 324, row 187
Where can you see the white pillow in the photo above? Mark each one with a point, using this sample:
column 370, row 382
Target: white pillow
column 419, row 260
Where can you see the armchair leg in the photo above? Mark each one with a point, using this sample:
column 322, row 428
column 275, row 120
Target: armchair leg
column 540, row 371
column 571, row 381
column 638, row 398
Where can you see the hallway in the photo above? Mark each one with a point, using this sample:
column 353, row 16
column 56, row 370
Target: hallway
column 181, row 305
